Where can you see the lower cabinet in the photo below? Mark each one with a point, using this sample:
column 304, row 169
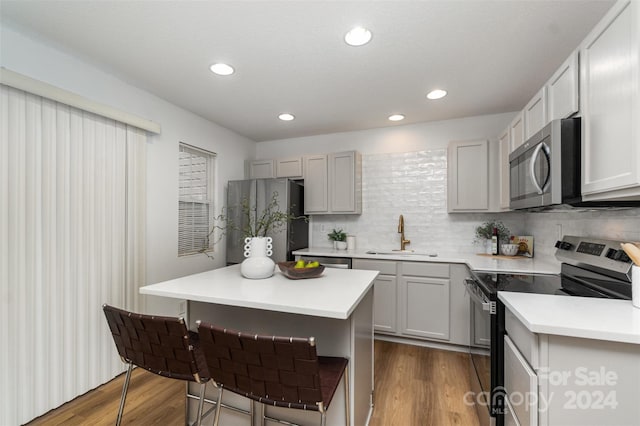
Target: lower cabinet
column 560, row 380
column 420, row 300
column 424, row 295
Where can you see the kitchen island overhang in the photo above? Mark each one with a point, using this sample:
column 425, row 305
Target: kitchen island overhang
column 336, row 309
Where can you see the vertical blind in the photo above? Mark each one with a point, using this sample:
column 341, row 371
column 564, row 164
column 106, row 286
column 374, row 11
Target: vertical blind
column 195, row 207
column 72, row 225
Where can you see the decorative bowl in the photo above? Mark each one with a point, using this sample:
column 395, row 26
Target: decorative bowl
column 288, row 270
column 509, row 249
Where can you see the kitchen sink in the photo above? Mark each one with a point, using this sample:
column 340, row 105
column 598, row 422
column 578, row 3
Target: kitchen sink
column 402, row 253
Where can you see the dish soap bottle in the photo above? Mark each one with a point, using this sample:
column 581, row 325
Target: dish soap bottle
column 494, row 242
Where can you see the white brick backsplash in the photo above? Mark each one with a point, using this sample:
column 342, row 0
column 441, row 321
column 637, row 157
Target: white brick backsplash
column 415, row 184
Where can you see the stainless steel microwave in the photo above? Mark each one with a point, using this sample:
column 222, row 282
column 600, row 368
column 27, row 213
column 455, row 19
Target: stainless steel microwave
column 545, row 170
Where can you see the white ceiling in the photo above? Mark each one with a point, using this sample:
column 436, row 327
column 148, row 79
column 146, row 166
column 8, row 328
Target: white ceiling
column 492, row 56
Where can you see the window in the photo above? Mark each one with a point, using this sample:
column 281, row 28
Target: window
column 195, row 206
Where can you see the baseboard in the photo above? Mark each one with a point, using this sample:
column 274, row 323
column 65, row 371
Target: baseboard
column 424, row 343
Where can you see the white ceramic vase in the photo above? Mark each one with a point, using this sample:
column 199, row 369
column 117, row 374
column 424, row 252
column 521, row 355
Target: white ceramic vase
column 341, row 245
column 257, row 264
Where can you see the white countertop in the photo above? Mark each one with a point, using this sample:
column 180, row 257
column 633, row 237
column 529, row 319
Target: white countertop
column 474, row 261
column 585, row 317
column 335, row 294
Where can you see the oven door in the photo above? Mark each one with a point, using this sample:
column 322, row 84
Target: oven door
column 480, row 350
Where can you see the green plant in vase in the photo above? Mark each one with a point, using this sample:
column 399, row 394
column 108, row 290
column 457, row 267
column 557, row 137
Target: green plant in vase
column 339, row 238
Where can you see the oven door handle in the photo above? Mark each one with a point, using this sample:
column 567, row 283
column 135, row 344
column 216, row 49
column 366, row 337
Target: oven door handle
column 470, row 287
column 532, row 168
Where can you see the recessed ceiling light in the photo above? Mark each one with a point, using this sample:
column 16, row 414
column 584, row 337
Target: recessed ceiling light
column 286, row 116
column 222, row 69
column 357, row 36
column 396, row 117
column 437, row 94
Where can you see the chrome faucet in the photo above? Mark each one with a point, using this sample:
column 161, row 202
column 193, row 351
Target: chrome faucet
column 403, row 242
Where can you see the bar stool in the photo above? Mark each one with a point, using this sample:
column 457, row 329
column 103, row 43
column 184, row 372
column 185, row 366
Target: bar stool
column 278, row 371
column 161, row 345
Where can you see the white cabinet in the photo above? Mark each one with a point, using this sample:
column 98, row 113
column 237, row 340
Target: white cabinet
column 385, row 311
column 562, row 89
column 333, row 183
column 559, row 380
column 258, row 169
column 504, row 151
column 289, row 167
column 610, row 106
column 316, row 184
column 516, row 131
column 424, row 300
column 468, row 176
column 345, row 180
column 520, row 379
column 535, row 114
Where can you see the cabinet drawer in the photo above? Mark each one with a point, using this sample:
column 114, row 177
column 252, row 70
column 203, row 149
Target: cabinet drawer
column 422, row 269
column 525, row 341
column 386, row 267
column 522, row 381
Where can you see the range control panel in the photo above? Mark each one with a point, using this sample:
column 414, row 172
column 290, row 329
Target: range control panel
column 604, row 254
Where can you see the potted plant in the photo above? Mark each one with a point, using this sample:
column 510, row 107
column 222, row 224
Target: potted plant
column 485, row 231
column 339, row 239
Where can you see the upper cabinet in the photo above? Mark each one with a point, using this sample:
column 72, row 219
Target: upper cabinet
column 468, row 176
column 516, row 131
column 610, row 106
column 289, row 168
column 562, row 89
column 535, row 113
column 279, row 168
column 503, row 150
column 333, row 183
column 260, row 169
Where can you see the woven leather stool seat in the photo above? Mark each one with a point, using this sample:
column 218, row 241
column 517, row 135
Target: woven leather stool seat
column 273, row 370
column 161, row 345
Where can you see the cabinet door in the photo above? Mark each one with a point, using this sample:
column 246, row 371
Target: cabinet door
column 535, row 114
column 520, row 379
column 425, row 307
column 516, row 131
column 562, row 89
column 289, row 168
column 384, row 304
column 468, row 176
column 504, row 150
column 342, row 180
column 316, row 184
column 259, row 169
column 610, row 105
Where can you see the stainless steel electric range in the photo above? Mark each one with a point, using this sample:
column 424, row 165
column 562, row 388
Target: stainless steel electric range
column 590, row 267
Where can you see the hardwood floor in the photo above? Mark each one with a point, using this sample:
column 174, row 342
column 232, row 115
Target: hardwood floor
column 414, row 386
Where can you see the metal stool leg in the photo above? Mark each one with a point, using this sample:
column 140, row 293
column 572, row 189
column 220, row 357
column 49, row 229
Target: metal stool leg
column 203, row 388
column 218, row 407
column 347, row 397
column 125, row 387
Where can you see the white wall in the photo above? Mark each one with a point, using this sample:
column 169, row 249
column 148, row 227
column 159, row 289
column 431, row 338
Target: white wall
column 37, row 59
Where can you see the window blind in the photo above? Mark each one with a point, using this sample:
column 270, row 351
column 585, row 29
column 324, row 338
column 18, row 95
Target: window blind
column 195, row 205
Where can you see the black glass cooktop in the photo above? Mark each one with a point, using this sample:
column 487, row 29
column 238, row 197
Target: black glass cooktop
column 575, row 282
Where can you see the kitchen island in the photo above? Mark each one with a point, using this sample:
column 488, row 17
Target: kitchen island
column 336, row 309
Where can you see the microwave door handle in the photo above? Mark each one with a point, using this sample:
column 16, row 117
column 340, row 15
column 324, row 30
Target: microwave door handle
column 532, row 168
column 547, row 181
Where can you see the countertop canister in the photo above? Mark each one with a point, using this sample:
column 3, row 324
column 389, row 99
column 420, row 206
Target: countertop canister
column 351, row 242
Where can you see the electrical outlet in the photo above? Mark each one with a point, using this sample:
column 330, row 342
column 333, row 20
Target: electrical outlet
column 323, row 227
column 559, row 231
column 182, row 307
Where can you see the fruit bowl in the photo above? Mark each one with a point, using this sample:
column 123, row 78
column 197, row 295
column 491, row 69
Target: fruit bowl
column 289, row 271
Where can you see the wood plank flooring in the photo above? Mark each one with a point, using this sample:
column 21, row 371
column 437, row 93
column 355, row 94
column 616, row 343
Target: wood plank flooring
column 415, row 386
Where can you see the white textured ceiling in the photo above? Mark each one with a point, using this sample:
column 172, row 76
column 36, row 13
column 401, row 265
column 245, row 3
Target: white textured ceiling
column 491, row 56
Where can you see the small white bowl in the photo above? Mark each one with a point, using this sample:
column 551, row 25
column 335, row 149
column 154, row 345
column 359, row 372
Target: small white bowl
column 509, row 249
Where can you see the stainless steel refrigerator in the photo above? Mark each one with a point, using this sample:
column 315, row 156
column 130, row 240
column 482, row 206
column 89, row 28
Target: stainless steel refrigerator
column 258, row 194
